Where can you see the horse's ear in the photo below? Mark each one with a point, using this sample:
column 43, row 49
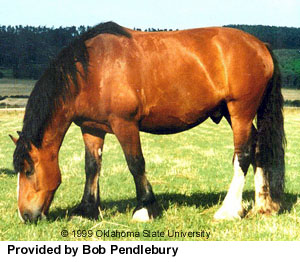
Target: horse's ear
column 15, row 140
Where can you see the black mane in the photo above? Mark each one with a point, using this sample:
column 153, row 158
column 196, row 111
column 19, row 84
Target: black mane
column 53, row 88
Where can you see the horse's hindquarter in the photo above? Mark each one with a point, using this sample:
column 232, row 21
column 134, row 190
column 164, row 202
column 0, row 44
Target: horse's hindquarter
column 171, row 81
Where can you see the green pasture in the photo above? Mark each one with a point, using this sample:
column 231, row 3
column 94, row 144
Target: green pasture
column 190, row 173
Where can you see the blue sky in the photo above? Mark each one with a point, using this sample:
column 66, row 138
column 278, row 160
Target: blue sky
column 173, row 14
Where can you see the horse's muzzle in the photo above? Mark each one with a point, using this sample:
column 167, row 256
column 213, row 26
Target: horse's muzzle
column 31, row 217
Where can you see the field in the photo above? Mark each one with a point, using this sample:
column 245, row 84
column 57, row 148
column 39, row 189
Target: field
column 13, row 87
column 291, row 94
column 190, row 174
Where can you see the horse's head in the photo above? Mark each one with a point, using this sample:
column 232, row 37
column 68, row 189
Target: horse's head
column 38, row 179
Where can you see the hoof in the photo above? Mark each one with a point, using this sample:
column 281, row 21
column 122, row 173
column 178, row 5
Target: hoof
column 229, row 214
column 269, row 209
column 141, row 215
column 146, row 214
column 86, row 210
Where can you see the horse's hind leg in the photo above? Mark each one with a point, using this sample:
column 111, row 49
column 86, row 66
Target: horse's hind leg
column 243, row 151
column 93, row 140
column 263, row 201
column 128, row 135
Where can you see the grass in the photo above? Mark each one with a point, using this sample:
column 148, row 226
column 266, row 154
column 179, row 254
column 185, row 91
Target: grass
column 190, row 174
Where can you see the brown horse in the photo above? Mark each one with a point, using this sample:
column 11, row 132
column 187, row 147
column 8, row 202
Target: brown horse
column 115, row 80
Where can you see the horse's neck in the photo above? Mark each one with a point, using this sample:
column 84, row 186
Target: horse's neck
column 56, row 129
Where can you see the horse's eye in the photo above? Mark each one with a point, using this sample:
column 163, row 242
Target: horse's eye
column 29, row 172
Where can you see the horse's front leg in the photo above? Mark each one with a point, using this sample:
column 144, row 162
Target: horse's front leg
column 93, row 140
column 127, row 133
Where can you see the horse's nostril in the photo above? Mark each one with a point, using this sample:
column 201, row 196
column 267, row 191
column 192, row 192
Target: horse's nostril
column 26, row 217
column 29, row 216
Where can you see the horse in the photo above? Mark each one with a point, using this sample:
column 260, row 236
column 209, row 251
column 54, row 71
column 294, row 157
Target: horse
column 116, row 80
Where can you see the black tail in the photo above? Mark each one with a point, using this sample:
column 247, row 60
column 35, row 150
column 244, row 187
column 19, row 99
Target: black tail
column 271, row 136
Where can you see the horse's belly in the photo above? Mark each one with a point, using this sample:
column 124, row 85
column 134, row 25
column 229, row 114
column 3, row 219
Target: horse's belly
column 170, row 121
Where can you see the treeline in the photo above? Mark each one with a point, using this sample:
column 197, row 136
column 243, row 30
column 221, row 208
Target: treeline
column 26, row 51
column 278, row 37
column 289, row 63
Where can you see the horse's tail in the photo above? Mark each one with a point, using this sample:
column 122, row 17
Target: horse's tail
column 271, row 137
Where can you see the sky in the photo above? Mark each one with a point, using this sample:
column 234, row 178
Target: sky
column 170, row 14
